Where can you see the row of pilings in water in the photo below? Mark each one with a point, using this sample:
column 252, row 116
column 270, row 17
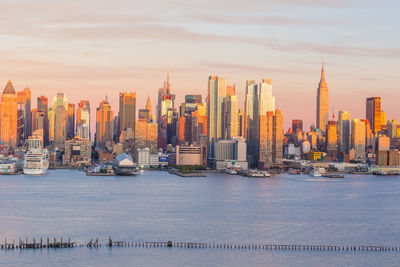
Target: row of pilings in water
column 67, row 243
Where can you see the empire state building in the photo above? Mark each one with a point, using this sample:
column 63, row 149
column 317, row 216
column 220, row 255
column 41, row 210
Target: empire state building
column 322, row 102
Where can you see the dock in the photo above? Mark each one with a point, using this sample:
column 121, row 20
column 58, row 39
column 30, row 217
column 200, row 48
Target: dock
column 95, row 243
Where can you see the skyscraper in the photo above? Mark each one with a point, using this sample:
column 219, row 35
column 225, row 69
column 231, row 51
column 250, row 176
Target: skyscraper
column 331, row 139
column 104, row 124
column 24, row 106
column 344, row 131
column 270, row 139
column 165, row 113
column 43, row 106
column 322, row 102
column 232, row 116
column 83, row 120
column 373, row 113
column 71, row 121
column 259, row 101
column 58, row 116
column 127, row 111
column 8, row 116
column 216, row 107
column 249, row 108
column 358, row 138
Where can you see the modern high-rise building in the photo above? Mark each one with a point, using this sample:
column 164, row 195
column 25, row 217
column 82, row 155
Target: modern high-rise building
column 322, row 102
column 43, row 106
column 127, row 111
column 331, row 139
column 249, row 107
column 8, row 116
column 358, row 138
column 344, row 131
column 270, row 139
column 373, row 113
column 71, row 121
column 165, row 114
column 392, row 126
column 24, row 109
column 232, row 117
column 216, row 107
column 297, row 126
column 58, row 116
column 83, row 120
column 104, row 124
column 259, row 101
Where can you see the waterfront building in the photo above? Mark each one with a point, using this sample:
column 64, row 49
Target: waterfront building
column 83, row 120
column 8, row 116
column 358, row 138
column 143, row 158
column 322, row 102
column 231, row 154
column 373, row 113
column 344, row 131
column 77, row 152
column 42, row 107
column 188, row 155
column 104, row 124
column 297, row 126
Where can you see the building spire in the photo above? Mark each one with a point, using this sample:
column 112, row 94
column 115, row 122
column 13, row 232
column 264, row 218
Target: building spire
column 322, row 71
column 106, row 98
column 148, row 106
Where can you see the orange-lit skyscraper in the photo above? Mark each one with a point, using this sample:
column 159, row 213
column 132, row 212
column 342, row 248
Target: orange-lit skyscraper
column 104, row 124
column 270, row 139
column 331, row 139
column 127, row 111
column 373, row 113
column 8, row 116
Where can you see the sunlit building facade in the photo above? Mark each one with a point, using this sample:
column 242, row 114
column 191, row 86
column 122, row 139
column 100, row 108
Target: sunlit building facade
column 8, row 116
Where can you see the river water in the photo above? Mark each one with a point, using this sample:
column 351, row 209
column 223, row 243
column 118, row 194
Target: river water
column 157, row 206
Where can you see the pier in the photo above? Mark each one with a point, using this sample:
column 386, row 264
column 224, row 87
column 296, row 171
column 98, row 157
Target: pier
column 54, row 243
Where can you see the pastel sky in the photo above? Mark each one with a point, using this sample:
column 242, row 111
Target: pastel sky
column 88, row 48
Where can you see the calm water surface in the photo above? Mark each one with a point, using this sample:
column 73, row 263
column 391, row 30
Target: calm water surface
column 157, row 206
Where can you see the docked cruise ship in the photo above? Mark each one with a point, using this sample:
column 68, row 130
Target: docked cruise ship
column 36, row 159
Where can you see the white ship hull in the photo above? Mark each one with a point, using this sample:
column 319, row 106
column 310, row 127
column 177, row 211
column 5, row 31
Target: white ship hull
column 35, row 172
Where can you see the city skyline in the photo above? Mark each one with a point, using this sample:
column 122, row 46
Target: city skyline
column 74, row 48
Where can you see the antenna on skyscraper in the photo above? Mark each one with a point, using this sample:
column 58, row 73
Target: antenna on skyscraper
column 333, row 113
